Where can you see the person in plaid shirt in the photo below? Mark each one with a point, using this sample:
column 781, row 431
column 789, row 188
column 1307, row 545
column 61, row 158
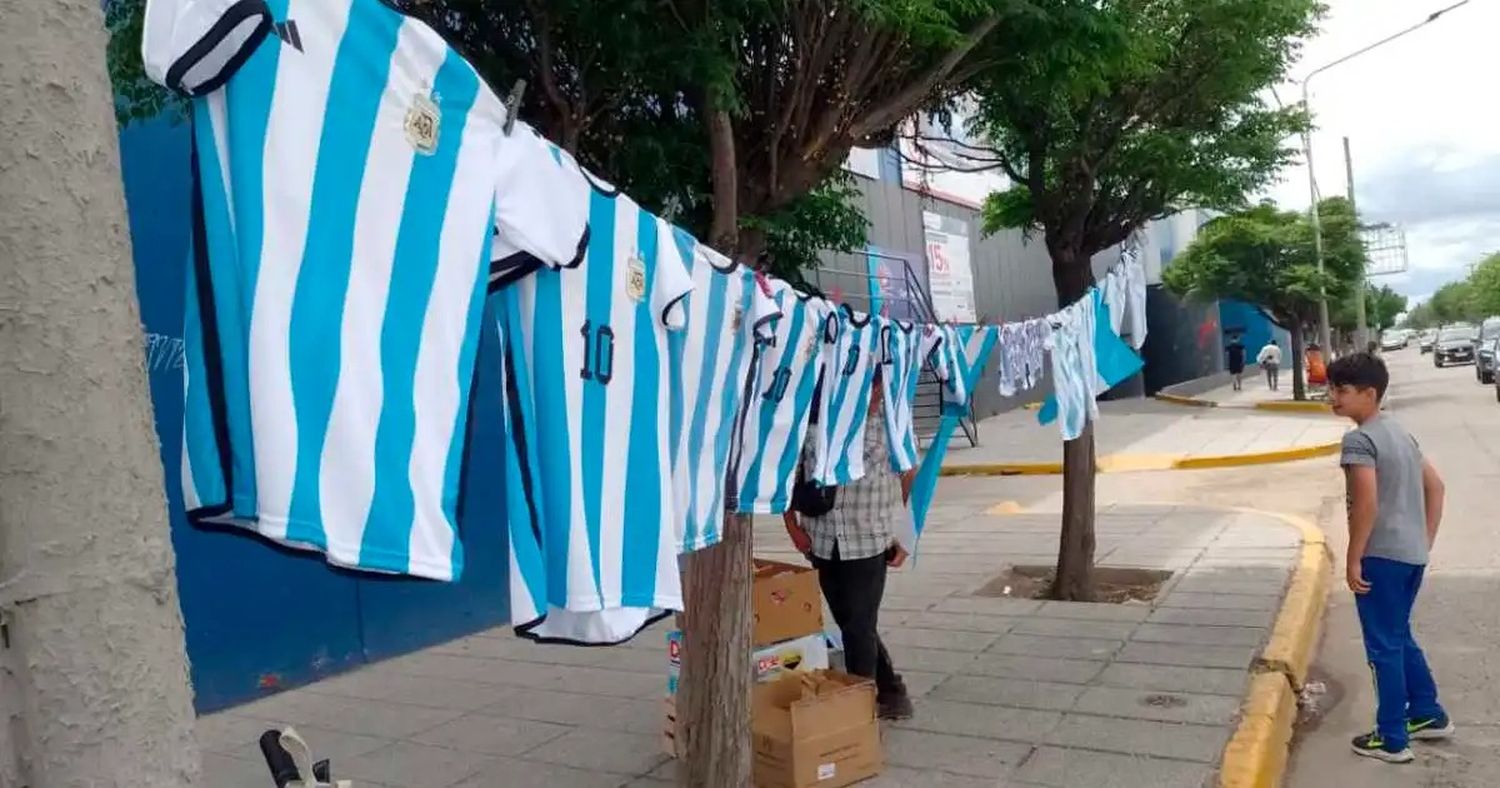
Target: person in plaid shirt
column 852, row 546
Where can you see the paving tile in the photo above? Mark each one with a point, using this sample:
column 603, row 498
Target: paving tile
column 1075, row 627
column 930, row 659
column 520, row 649
column 516, row 773
column 1068, row 768
column 226, row 732
column 1019, row 693
column 415, row 690
column 223, row 771
column 969, row 622
column 352, row 715
column 603, row 751
column 1140, row 737
column 1200, row 635
column 1015, row 666
column 409, row 763
column 945, row 639
column 907, row 603
column 937, row 752
column 1188, row 655
column 1210, row 681
column 1158, row 705
column 920, row 682
column 1183, row 598
column 1212, row 617
column 588, row 711
column 492, row 735
column 977, row 719
column 901, row 777
column 989, row 606
column 1066, row 648
column 1096, row 611
column 335, row 745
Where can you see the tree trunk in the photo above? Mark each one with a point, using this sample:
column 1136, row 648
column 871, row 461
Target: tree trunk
column 1073, row 275
column 1299, row 374
column 93, row 676
column 713, row 701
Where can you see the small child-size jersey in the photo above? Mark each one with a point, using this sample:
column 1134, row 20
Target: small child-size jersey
column 587, row 357
column 852, row 352
column 347, row 171
column 729, row 313
column 903, row 369
column 776, row 417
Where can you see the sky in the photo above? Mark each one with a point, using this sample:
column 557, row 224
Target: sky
column 1422, row 114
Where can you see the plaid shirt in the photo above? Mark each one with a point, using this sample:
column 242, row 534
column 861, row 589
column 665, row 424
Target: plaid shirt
column 863, row 519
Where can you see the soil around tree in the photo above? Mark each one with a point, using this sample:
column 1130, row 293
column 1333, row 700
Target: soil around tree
column 1112, row 585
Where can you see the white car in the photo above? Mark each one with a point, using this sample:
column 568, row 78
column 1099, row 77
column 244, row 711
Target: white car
column 1394, row 339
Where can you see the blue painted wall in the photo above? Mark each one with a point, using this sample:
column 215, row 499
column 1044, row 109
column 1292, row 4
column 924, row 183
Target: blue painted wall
column 260, row 617
column 1255, row 328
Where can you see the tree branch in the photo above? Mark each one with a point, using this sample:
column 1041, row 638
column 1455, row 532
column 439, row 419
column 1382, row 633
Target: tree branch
column 909, row 98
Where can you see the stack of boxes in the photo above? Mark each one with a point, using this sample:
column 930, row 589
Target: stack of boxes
column 811, row 726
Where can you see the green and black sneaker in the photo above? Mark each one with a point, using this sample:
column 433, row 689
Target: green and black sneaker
column 1430, row 728
column 1371, row 745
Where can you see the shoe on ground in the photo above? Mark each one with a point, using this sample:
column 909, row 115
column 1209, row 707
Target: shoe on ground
column 1371, row 745
column 894, row 704
column 1430, row 728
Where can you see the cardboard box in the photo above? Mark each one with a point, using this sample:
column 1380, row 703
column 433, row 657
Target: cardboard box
column 799, row 654
column 785, row 602
column 815, row 730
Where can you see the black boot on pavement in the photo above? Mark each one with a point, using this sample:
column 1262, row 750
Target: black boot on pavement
column 895, row 703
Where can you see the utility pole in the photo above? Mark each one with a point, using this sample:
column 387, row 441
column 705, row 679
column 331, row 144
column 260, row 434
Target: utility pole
column 1317, row 226
column 93, row 676
column 1362, row 328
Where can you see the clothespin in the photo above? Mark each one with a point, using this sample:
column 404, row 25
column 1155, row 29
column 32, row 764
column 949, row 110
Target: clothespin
column 513, row 105
column 291, row 761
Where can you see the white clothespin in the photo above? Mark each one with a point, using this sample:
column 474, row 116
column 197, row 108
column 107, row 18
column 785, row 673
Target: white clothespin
column 302, row 758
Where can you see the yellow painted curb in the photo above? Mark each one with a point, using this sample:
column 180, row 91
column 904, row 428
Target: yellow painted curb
column 1256, row 755
column 1296, row 407
column 1192, row 402
column 1125, row 463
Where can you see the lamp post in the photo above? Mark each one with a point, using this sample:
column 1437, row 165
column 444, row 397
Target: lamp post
column 1312, row 182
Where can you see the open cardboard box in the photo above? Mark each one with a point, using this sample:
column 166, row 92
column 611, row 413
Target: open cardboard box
column 815, row 729
column 785, row 602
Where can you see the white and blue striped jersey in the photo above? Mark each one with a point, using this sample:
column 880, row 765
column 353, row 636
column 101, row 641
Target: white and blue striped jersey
column 851, row 353
column 587, row 361
column 729, row 313
column 347, row 169
column 946, row 349
column 776, row 417
column 902, row 370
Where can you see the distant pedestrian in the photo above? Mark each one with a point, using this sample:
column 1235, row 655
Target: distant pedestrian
column 1269, row 359
column 1395, row 501
column 1236, row 352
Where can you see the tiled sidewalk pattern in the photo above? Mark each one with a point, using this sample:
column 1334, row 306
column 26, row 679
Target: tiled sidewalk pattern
column 1010, row 692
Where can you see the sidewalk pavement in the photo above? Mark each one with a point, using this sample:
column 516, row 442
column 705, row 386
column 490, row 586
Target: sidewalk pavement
column 1009, row 692
column 1141, row 432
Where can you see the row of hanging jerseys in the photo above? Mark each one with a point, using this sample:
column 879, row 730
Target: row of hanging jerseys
column 363, row 201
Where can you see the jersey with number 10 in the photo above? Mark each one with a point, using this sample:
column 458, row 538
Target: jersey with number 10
column 852, row 352
column 777, row 415
column 588, row 415
column 346, row 174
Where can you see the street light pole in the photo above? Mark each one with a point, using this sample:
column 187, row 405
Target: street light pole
column 1312, row 183
column 1361, row 326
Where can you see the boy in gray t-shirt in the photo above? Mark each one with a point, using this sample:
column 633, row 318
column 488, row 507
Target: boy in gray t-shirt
column 1395, row 500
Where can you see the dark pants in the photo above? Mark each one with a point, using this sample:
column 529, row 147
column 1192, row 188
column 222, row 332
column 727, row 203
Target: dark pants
column 854, row 590
column 1404, row 687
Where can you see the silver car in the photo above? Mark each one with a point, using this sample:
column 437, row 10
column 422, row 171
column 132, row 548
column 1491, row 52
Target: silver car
column 1455, row 345
column 1484, row 354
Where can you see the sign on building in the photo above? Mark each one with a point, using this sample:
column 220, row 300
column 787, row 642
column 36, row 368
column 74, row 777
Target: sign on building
column 950, row 276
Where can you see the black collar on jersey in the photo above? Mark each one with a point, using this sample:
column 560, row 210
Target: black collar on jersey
column 856, row 322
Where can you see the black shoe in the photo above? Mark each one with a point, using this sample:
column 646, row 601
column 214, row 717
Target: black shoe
column 894, row 703
column 1371, row 745
column 1430, row 728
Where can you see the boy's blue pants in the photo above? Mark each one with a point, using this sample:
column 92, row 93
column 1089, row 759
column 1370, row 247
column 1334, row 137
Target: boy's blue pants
column 1404, row 687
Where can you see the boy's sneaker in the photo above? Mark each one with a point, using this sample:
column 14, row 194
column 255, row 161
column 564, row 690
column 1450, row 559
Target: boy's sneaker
column 1430, row 728
column 1371, row 745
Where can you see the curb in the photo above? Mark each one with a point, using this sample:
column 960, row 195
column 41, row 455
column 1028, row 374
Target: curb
column 1275, row 406
column 1125, row 463
column 1256, row 755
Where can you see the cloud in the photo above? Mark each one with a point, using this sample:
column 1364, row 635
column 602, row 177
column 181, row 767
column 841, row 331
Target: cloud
column 1442, row 186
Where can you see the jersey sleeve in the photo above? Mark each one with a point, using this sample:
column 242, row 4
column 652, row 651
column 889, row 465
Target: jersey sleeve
column 541, row 203
column 1357, row 449
column 194, row 46
column 673, row 280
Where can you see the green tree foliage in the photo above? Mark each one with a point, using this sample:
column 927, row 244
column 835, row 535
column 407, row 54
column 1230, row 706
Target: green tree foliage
column 1484, row 284
column 1382, row 305
column 1106, row 114
column 1265, row 256
column 1455, row 302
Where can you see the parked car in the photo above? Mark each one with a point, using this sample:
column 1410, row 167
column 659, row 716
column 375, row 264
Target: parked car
column 1394, row 339
column 1427, row 341
column 1455, row 345
column 1484, row 355
column 1495, row 353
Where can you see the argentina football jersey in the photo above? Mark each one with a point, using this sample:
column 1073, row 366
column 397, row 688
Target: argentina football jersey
column 903, row 369
column 776, row 416
column 729, row 316
column 593, row 525
column 347, row 168
column 852, row 352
